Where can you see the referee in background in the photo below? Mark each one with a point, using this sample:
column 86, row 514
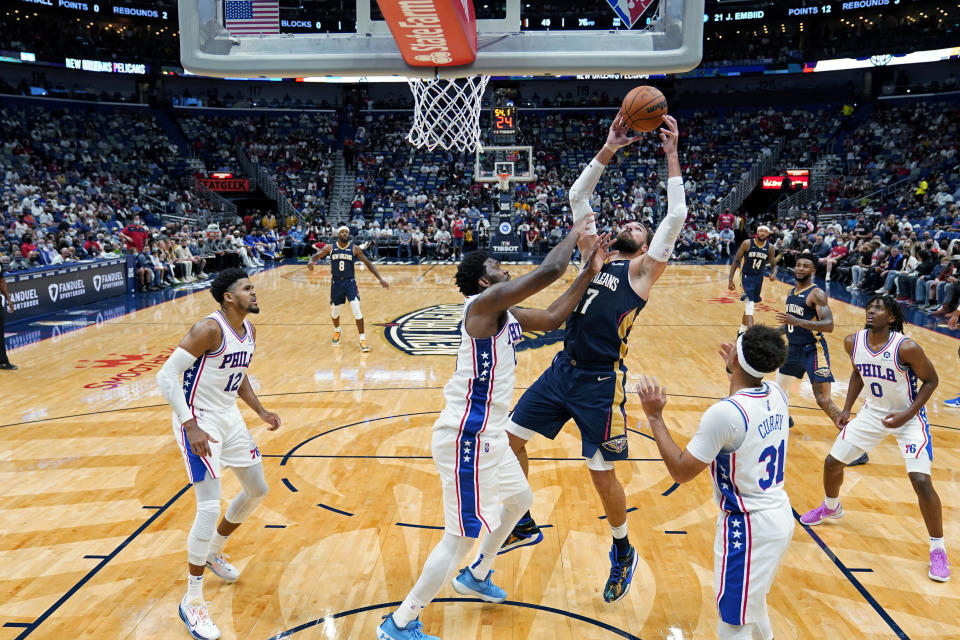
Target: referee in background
column 4, row 361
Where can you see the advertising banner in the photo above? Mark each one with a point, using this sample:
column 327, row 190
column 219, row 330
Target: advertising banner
column 41, row 292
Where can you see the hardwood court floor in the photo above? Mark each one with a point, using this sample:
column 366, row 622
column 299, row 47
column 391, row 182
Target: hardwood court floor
column 95, row 506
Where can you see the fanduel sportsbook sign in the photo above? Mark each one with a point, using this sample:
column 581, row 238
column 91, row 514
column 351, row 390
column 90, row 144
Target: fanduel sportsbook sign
column 39, row 293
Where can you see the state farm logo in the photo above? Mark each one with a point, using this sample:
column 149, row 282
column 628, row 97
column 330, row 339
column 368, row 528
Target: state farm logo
column 132, row 365
column 108, row 281
column 64, row 290
column 731, row 298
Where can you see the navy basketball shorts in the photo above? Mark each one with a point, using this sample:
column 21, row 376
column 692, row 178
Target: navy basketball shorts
column 812, row 359
column 594, row 397
column 751, row 287
column 343, row 290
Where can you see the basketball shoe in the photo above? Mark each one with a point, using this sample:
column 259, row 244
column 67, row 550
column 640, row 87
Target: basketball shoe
column 953, row 402
column 336, row 338
column 939, row 567
column 621, row 574
column 859, row 460
column 222, row 569
column 821, row 513
column 389, row 630
column 525, row 533
column 466, row 585
column 363, row 346
column 199, row 625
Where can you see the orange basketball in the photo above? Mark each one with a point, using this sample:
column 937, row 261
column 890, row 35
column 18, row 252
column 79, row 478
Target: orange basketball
column 643, row 108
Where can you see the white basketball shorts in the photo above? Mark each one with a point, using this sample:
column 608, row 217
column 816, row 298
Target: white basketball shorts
column 235, row 446
column 477, row 472
column 748, row 548
column 866, row 431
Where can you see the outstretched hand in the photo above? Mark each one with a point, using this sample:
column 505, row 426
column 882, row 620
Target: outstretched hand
column 600, row 253
column 617, row 136
column 581, row 225
column 653, row 397
column 670, row 135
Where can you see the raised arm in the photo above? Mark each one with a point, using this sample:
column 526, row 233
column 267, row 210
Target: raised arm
column 582, row 189
column 911, row 355
column 553, row 316
column 358, row 252
column 484, row 314
column 651, row 264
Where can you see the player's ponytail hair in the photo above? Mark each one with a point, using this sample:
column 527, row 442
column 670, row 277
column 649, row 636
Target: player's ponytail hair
column 893, row 308
column 470, row 271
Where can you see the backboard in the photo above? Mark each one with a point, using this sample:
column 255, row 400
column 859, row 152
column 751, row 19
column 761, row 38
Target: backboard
column 492, row 161
column 616, row 37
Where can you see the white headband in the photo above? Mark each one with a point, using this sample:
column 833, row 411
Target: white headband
column 743, row 361
column 763, row 227
column 343, row 228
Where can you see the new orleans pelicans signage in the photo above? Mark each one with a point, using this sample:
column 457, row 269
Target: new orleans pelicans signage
column 435, row 331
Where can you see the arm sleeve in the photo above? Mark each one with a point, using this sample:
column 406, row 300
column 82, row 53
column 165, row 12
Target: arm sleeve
column 581, row 191
column 661, row 247
column 168, row 379
column 721, row 429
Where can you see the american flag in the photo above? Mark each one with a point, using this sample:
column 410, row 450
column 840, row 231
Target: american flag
column 252, row 17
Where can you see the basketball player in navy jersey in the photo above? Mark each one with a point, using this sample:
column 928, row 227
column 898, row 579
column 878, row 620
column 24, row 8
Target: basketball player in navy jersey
column 343, row 284
column 806, row 318
column 484, row 487
column 743, row 439
column 213, row 359
column 586, row 381
column 756, row 253
column 897, row 379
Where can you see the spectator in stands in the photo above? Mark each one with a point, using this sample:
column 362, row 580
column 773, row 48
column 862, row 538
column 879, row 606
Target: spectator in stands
column 134, row 235
column 907, row 265
column 443, row 241
column 907, row 282
column 4, row 360
column 416, row 241
column 144, row 270
column 936, row 288
column 18, row 262
column 295, row 241
column 837, row 253
column 404, row 238
column 456, row 230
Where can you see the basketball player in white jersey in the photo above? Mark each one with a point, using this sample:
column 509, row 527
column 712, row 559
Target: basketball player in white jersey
column 483, row 485
column 213, row 359
column 888, row 365
column 743, row 438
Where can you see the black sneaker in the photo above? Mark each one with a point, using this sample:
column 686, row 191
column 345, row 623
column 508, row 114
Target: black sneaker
column 862, row 459
column 621, row 574
column 524, row 534
column 8, row 367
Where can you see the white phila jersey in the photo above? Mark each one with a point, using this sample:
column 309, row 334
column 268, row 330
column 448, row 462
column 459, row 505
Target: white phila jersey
column 889, row 386
column 750, row 478
column 212, row 381
column 478, row 396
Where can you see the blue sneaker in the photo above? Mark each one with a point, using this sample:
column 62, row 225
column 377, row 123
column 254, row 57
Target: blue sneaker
column 955, row 402
column 389, row 630
column 466, row 585
column 525, row 533
column 621, row 574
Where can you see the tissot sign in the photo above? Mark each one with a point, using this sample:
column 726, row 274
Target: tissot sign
column 225, row 184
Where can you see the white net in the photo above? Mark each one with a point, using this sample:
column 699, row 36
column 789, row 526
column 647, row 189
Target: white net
column 446, row 113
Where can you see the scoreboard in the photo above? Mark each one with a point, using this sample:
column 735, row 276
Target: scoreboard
column 504, row 122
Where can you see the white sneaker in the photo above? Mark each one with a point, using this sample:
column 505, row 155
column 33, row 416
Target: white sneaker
column 222, row 569
column 197, row 619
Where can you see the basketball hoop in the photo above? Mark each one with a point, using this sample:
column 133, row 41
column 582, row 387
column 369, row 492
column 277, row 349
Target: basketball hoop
column 446, row 113
column 504, row 180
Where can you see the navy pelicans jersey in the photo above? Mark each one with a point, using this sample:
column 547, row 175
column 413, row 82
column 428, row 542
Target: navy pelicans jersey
column 888, row 385
column 598, row 328
column 750, row 478
column 212, row 381
column 756, row 257
column 798, row 308
column 477, row 398
column 341, row 261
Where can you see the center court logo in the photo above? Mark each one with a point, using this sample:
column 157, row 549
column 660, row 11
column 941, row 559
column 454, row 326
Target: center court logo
column 435, row 331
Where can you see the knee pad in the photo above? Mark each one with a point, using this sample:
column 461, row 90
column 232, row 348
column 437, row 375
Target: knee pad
column 355, row 308
column 334, row 311
column 201, row 533
column 748, row 307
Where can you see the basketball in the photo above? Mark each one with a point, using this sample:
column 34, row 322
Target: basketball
column 643, row 108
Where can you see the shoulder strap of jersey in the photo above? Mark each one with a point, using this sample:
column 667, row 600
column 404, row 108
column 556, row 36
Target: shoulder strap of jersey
column 216, row 317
